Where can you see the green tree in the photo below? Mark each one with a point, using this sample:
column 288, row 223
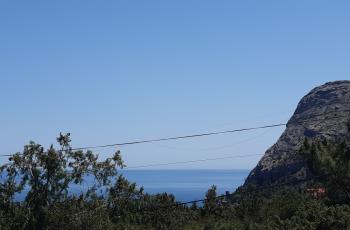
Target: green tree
column 330, row 160
column 211, row 202
column 48, row 174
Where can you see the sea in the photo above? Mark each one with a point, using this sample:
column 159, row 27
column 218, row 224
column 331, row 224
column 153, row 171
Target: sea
column 186, row 185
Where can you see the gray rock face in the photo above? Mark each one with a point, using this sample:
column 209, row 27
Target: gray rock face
column 325, row 112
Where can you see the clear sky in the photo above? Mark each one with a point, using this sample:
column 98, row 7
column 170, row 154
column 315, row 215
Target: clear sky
column 114, row 71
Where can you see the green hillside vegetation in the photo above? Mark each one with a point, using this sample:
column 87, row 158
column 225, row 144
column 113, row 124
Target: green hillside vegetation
column 48, row 205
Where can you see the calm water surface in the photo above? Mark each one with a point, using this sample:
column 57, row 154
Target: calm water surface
column 184, row 184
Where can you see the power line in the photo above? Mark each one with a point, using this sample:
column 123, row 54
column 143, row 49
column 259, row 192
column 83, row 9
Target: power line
column 178, row 204
column 250, row 190
column 193, row 161
column 217, row 147
column 180, row 137
column 211, row 133
column 170, row 138
column 205, row 134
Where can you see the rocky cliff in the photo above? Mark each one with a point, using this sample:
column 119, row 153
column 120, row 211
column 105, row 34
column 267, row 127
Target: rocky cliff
column 325, row 112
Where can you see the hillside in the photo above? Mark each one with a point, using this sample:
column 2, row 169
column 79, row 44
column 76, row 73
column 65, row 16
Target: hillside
column 324, row 112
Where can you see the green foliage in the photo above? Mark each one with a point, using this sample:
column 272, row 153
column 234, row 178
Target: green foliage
column 211, row 203
column 331, row 161
column 48, row 175
column 48, row 205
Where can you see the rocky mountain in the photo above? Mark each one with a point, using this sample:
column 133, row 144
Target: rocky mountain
column 325, row 112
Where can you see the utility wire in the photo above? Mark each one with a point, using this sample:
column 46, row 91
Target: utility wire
column 213, row 133
column 228, row 196
column 249, row 190
column 216, row 147
column 206, row 134
column 180, row 137
column 170, row 138
column 193, row 161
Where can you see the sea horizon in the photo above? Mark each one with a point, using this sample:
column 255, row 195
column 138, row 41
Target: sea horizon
column 184, row 184
column 187, row 184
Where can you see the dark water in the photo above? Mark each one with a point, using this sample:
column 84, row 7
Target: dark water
column 184, row 184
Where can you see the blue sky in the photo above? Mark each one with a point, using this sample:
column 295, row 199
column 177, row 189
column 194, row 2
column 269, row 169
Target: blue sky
column 115, row 71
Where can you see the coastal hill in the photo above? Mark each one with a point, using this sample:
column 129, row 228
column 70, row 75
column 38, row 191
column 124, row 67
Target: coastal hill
column 324, row 112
